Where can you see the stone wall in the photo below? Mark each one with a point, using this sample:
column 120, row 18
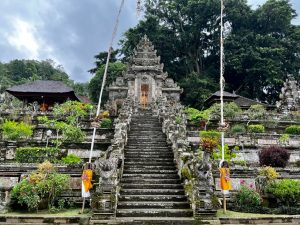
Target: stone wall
column 251, row 144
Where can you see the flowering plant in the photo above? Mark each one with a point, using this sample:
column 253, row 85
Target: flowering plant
column 247, row 199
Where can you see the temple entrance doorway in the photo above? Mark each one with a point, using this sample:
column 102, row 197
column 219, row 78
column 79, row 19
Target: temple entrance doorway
column 144, row 95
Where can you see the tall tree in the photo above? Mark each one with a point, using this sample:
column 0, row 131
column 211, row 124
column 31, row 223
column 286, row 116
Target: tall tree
column 115, row 69
column 261, row 45
column 259, row 54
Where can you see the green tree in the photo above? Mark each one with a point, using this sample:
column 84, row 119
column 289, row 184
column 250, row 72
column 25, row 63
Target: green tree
column 261, row 45
column 101, row 59
column 263, row 51
column 115, row 69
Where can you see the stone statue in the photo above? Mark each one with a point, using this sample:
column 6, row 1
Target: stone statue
column 289, row 97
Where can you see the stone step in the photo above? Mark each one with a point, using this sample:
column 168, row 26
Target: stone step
column 156, row 205
column 147, row 176
column 149, row 151
column 145, row 148
column 152, row 191
column 149, row 171
column 148, row 145
column 155, row 135
column 146, row 160
column 147, row 156
column 138, row 180
column 151, row 186
column 145, row 142
column 159, row 164
column 137, row 138
column 143, row 128
column 145, row 167
column 154, row 212
column 148, row 221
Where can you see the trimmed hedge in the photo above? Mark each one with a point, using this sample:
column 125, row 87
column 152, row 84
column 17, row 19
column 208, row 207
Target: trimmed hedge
column 256, row 128
column 293, row 129
column 37, row 154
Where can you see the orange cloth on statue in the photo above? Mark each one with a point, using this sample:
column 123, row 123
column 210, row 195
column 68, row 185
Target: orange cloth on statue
column 87, row 179
column 224, row 179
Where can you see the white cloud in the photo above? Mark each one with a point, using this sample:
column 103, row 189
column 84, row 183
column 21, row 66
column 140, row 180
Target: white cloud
column 23, row 38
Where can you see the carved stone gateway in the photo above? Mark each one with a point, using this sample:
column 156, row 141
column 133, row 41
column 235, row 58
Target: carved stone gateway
column 144, row 78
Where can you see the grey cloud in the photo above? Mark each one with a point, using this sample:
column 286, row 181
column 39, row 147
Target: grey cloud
column 75, row 30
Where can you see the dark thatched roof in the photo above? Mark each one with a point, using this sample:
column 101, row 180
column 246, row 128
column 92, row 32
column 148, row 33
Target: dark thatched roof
column 225, row 94
column 241, row 101
column 43, row 91
column 42, row 86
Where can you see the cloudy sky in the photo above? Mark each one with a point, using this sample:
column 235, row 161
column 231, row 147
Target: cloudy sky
column 70, row 32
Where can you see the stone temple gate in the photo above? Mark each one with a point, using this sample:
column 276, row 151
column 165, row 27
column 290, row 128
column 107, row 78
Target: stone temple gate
column 144, row 78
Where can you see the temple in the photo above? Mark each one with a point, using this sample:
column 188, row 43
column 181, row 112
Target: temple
column 144, row 80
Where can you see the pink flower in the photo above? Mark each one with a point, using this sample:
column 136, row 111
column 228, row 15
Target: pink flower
column 242, row 182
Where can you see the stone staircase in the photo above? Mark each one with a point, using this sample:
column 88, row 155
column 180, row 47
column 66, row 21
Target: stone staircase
column 150, row 186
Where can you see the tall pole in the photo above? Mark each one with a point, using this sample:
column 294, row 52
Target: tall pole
column 222, row 83
column 222, row 79
column 105, row 75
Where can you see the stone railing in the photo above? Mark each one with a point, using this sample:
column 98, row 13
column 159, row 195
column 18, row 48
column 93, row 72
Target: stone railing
column 199, row 185
column 110, row 166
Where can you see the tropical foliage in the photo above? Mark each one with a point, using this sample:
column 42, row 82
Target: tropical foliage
column 13, row 130
column 43, row 184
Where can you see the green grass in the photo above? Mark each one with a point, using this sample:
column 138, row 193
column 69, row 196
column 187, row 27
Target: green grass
column 232, row 214
column 45, row 213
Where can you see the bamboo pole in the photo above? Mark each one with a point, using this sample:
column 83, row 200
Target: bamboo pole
column 105, row 75
column 222, row 84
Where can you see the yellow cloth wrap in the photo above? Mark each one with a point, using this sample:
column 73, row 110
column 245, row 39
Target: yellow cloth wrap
column 224, row 179
column 87, row 179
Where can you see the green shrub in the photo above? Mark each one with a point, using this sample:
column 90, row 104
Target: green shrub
column 195, row 116
column 231, row 110
column 287, row 191
column 298, row 163
column 238, row 129
column 42, row 184
column 256, row 112
column 293, row 129
column 73, row 134
column 106, row 123
column 16, row 130
column 247, row 199
column 71, row 111
column 216, row 135
column 71, row 159
column 284, row 138
column 229, row 154
column 37, row 154
column 256, row 128
column 186, row 173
